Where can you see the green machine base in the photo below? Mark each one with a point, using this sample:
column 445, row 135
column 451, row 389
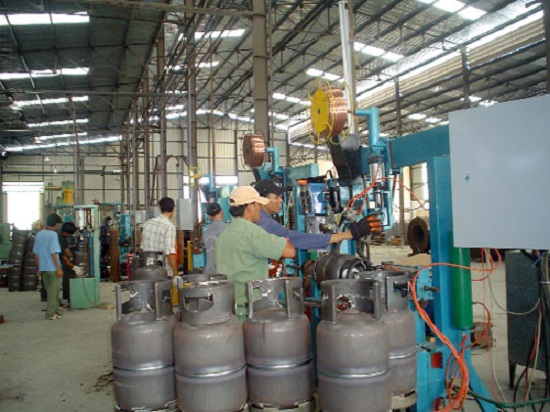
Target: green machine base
column 84, row 293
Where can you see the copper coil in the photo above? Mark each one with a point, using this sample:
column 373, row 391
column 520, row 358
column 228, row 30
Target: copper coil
column 253, row 150
column 338, row 112
column 329, row 112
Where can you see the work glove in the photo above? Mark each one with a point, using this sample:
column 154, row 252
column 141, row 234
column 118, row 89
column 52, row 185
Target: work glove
column 366, row 226
column 78, row 271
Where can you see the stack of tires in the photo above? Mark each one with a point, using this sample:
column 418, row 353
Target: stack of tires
column 16, row 258
column 29, row 279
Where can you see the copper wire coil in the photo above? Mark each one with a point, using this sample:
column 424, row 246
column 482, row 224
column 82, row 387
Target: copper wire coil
column 253, row 150
column 338, row 114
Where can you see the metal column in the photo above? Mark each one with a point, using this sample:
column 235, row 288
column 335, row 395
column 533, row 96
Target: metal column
column 465, row 76
column 260, row 64
column 162, row 115
column 192, row 111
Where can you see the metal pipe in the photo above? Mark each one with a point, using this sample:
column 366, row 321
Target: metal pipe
column 77, row 198
column 146, row 154
column 346, row 39
column 127, row 169
column 135, row 163
column 162, row 113
column 192, row 111
column 260, row 66
column 372, row 117
column 465, row 76
column 398, row 117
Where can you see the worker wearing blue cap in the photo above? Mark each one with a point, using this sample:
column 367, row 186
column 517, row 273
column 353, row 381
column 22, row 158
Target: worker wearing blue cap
column 269, row 190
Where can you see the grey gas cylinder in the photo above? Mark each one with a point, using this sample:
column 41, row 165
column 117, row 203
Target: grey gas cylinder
column 400, row 322
column 142, row 351
column 209, row 349
column 352, row 348
column 277, row 340
column 150, row 272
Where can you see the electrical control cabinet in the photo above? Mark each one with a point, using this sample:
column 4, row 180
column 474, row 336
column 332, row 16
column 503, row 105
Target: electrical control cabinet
column 499, row 175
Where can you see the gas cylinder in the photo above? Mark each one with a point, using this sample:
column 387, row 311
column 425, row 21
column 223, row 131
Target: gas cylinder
column 400, row 322
column 335, row 266
column 277, row 342
column 150, row 272
column 209, row 349
column 142, row 350
column 151, row 258
column 352, row 348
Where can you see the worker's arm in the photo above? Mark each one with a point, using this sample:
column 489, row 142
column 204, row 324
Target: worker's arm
column 289, row 251
column 55, row 258
column 338, row 237
column 173, row 263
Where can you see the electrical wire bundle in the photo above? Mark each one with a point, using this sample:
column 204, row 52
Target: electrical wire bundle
column 540, row 345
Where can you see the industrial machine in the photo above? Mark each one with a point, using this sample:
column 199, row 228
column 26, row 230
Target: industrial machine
column 84, row 290
column 316, row 204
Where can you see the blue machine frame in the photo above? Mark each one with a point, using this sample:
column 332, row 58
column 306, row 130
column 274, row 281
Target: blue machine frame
column 432, row 147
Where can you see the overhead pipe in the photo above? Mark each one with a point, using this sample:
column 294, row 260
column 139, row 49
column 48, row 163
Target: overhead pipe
column 373, row 122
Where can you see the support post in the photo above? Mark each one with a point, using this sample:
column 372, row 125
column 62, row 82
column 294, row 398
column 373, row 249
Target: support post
column 260, row 67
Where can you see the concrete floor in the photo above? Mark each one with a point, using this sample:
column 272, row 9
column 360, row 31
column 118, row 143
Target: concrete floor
column 62, row 365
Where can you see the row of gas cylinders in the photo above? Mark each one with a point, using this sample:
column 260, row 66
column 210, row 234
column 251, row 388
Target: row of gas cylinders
column 210, row 361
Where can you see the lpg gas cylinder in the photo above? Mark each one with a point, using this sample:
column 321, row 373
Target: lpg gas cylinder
column 209, row 349
column 143, row 360
column 352, row 348
column 278, row 346
column 400, row 323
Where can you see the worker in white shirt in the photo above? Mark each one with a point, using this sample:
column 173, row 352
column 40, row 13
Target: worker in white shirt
column 159, row 235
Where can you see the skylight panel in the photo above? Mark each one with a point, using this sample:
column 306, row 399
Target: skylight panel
column 392, row 56
column 293, row 99
column 208, row 65
column 58, row 123
column 433, row 120
column 319, row 73
column 417, row 116
column 449, row 5
column 29, row 19
column 60, row 136
column 199, row 35
column 370, row 50
column 75, row 71
column 35, row 74
column 471, row 13
column 38, row 102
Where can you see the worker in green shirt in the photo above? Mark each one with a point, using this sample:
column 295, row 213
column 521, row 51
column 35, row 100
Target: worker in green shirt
column 243, row 248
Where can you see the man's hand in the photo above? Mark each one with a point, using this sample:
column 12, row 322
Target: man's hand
column 366, row 226
column 78, row 271
column 59, row 272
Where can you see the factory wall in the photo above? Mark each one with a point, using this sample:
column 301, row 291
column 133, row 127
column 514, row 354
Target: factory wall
column 101, row 173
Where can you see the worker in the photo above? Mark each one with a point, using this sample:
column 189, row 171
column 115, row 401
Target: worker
column 68, row 229
column 46, row 254
column 159, row 235
column 300, row 240
column 243, row 248
column 216, row 226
